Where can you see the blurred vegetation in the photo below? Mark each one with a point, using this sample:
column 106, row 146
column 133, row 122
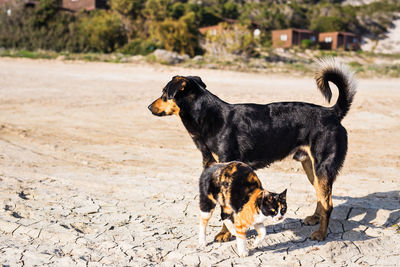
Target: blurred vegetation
column 141, row 26
column 233, row 39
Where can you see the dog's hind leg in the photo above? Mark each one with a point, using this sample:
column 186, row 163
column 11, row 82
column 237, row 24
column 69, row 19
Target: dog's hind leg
column 304, row 156
column 324, row 209
column 330, row 153
column 323, row 191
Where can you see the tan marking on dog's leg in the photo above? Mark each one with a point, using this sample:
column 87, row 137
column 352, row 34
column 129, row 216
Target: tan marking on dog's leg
column 324, row 198
column 224, row 235
column 308, row 166
column 215, row 156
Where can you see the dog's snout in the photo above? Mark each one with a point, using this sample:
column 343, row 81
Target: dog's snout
column 150, row 106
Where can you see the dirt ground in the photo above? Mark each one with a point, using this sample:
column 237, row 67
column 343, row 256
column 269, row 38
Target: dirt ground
column 89, row 177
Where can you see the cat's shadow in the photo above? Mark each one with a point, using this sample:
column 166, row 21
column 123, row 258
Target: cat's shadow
column 350, row 221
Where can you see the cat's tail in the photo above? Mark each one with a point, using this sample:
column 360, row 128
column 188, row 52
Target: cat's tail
column 339, row 74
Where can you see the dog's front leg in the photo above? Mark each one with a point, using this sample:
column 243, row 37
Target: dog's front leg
column 208, row 158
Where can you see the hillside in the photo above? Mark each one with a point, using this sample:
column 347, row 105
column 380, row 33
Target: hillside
column 141, row 26
column 390, row 43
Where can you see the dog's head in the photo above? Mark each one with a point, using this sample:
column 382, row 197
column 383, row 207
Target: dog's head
column 176, row 91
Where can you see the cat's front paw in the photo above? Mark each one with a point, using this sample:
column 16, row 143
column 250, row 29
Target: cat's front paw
column 243, row 253
column 202, row 243
column 241, row 247
column 257, row 242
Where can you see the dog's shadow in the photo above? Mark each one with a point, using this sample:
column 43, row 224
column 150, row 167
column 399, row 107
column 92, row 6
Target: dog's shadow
column 350, row 221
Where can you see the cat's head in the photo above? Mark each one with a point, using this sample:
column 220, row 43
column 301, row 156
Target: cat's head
column 273, row 204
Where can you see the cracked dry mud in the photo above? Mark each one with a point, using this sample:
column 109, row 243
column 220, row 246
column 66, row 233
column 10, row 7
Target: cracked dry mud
column 89, row 177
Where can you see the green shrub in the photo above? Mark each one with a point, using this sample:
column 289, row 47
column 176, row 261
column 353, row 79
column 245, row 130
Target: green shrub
column 307, row 43
column 45, row 11
column 138, row 47
column 102, row 31
column 354, row 64
column 177, row 10
column 230, row 10
column 180, row 35
column 234, row 39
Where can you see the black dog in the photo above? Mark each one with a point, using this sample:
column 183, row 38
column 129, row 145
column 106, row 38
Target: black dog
column 261, row 134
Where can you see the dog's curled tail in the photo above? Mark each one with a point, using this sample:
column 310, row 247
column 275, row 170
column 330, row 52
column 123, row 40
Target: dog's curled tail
column 339, row 74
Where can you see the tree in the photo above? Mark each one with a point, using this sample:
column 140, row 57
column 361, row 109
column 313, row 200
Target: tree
column 177, row 10
column 179, row 35
column 328, row 24
column 156, row 10
column 102, row 32
column 130, row 11
column 230, row 10
column 128, row 8
column 44, row 12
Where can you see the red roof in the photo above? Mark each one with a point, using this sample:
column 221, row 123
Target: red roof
column 296, row 30
column 342, row 33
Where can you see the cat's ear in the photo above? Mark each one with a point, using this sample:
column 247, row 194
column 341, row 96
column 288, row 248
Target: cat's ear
column 283, row 194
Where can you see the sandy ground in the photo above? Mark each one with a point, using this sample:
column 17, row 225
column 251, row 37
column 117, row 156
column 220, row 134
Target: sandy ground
column 89, row 177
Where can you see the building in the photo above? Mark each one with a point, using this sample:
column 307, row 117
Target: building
column 212, row 30
column 78, row 5
column 70, row 5
column 221, row 27
column 339, row 40
column 292, row 37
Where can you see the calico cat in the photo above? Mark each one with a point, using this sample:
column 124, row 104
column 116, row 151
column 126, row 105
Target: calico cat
column 244, row 203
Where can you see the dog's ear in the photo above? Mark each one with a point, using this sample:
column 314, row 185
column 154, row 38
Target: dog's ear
column 178, row 83
column 197, row 80
column 181, row 83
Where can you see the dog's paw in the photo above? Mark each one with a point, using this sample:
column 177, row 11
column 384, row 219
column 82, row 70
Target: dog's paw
column 223, row 237
column 311, row 220
column 318, row 235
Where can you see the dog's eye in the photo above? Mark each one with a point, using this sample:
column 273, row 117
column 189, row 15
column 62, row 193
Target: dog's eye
column 164, row 98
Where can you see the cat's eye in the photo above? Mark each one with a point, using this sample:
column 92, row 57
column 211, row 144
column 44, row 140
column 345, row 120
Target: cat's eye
column 273, row 210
